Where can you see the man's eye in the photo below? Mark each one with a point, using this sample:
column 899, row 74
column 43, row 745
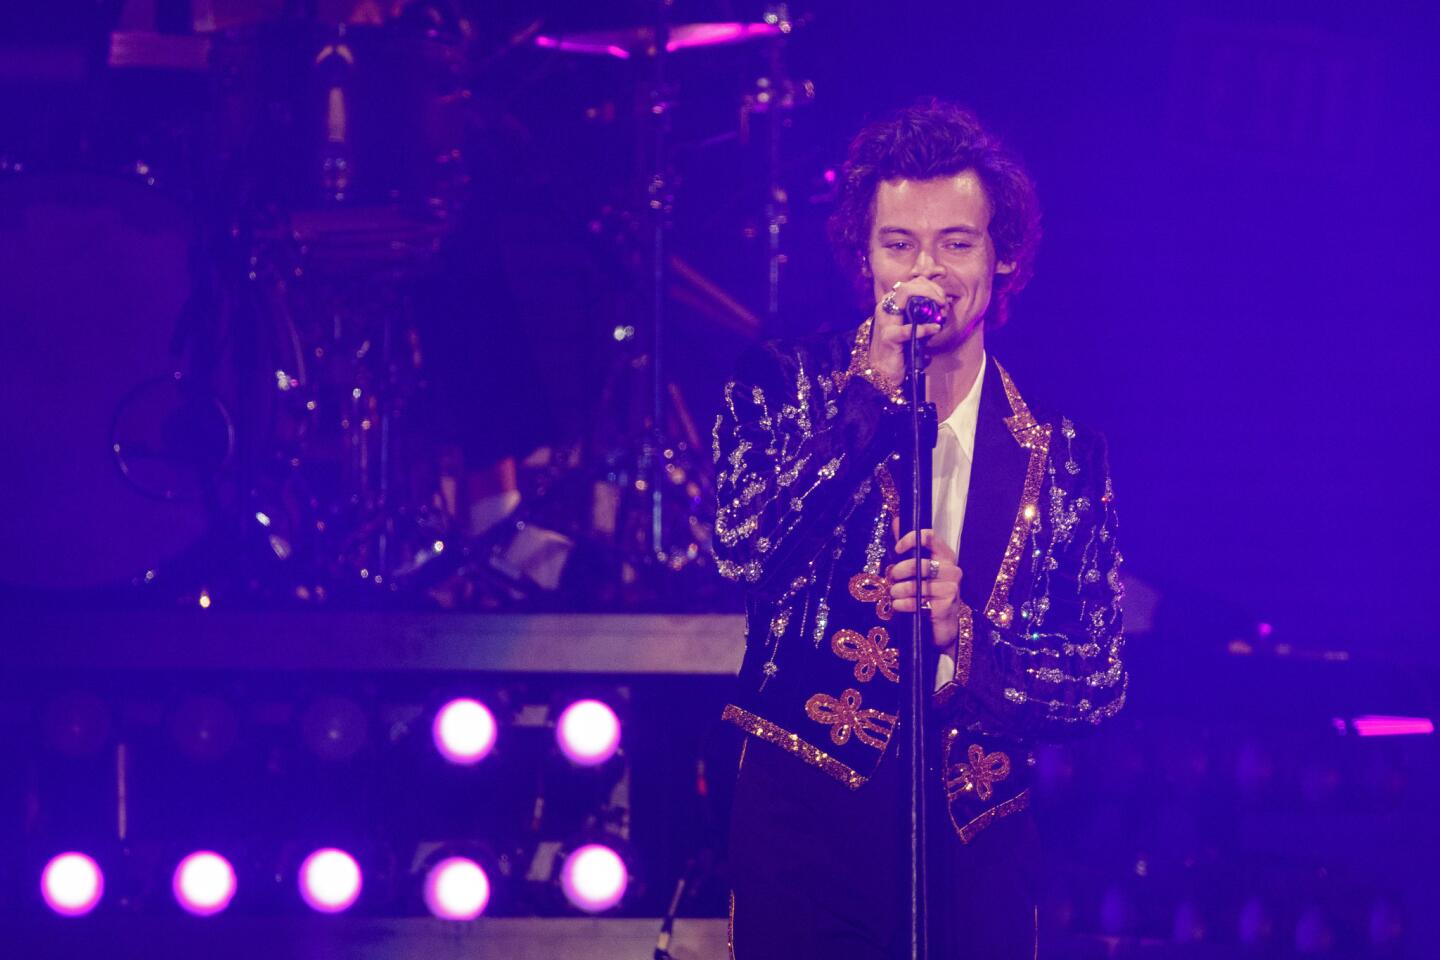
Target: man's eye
column 960, row 245
column 897, row 245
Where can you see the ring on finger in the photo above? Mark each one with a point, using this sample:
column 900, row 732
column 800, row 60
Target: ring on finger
column 925, row 603
column 934, row 569
column 889, row 306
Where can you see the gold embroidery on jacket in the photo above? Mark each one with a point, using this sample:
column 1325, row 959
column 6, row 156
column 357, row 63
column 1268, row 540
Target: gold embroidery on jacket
column 971, row 829
column 870, row 653
column 763, row 729
column 979, row 772
column 965, row 779
column 869, row 588
column 964, row 643
column 1034, row 437
column 844, row 715
column 861, row 346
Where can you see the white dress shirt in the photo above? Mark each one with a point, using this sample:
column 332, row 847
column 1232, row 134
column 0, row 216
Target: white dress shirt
column 954, row 453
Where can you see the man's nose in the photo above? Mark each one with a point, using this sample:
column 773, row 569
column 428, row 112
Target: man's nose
column 927, row 266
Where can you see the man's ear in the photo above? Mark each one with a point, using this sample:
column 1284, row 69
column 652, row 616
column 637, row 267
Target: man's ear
column 1005, row 266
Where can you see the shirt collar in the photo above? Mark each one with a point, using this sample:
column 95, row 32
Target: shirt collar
column 963, row 418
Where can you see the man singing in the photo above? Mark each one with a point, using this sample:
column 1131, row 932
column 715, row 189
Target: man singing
column 1021, row 584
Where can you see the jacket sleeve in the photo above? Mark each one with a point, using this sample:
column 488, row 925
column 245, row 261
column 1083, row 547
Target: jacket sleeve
column 1058, row 670
column 792, row 450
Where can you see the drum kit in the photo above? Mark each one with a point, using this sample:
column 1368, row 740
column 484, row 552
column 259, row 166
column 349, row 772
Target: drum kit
column 210, row 241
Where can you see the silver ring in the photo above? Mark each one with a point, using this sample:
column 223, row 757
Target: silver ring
column 925, row 603
column 889, row 305
column 934, row 569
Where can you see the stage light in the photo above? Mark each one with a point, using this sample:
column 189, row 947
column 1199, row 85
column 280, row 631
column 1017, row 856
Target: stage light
column 330, row 880
column 464, row 731
column 77, row 724
column 457, row 888
column 588, row 733
column 204, row 883
column 72, row 884
column 204, row 728
column 334, row 728
column 594, row 878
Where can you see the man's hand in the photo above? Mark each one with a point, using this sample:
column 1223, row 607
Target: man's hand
column 890, row 333
column 938, row 588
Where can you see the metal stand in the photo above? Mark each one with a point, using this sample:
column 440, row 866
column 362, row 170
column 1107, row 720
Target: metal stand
column 660, row 202
column 923, row 439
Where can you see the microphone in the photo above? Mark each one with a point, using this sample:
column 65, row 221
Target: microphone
column 924, row 310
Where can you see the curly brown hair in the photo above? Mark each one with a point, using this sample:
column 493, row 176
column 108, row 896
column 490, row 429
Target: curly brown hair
column 933, row 139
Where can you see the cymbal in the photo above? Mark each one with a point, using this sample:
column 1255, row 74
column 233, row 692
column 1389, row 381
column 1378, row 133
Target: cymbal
column 625, row 42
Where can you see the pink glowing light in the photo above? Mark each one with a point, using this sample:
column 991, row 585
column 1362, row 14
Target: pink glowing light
column 588, row 733
column 594, row 878
column 330, row 881
column 691, row 35
column 464, row 731
column 204, row 883
column 72, row 884
column 457, row 888
column 1380, row 726
column 597, row 45
column 620, row 44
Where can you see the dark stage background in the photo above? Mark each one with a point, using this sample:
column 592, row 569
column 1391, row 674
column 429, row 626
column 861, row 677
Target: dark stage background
column 1236, row 286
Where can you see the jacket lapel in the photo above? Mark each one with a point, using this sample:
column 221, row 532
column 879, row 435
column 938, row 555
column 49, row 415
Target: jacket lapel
column 997, row 482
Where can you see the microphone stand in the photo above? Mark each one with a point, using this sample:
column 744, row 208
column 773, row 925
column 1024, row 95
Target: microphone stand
column 924, row 433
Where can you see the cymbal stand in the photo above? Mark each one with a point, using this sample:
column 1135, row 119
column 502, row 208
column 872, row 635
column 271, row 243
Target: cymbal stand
column 660, row 201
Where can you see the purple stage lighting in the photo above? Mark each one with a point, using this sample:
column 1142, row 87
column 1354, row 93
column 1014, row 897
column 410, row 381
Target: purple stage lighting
column 1378, row 726
column 72, row 884
column 464, row 731
column 594, row 878
column 204, row 883
column 456, row 888
column 588, row 733
column 330, row 880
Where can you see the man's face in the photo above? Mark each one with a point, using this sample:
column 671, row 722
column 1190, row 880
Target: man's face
column 938, row 230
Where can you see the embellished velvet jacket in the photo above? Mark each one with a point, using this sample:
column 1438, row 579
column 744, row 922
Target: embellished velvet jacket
column 806, row 453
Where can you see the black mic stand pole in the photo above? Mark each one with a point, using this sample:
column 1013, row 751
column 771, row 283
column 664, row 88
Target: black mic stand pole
column 925, row 428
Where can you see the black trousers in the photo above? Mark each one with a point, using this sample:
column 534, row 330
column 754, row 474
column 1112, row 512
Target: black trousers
column 819, row 870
